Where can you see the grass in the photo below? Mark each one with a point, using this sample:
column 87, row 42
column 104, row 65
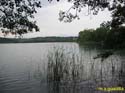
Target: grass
column 62, row 67
column 66, row 71
column 63, row 70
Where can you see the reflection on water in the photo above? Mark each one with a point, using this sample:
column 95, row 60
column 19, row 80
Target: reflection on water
column 64, row 72
column 58, row 68
column 75, row 74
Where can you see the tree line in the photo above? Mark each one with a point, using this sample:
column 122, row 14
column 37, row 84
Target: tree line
column 108, row 38
column 38, row 39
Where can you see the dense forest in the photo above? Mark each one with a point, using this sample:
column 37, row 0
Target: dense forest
column 108, row 38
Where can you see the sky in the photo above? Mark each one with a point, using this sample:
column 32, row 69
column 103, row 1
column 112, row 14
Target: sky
column 47, row 20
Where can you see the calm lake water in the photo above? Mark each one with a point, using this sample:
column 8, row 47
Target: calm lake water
column 25, row 68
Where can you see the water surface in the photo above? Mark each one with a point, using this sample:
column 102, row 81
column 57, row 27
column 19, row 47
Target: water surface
column 23, row 69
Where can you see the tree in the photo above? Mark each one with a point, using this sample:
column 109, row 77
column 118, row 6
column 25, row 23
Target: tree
column 86, row 36
column 115, row 38
column 117, row 8
column 16, row 16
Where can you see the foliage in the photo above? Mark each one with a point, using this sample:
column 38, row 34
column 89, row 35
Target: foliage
column 97, row 35
column 116, row 7
column 116, row 38
column 86, row 35
column 109, row 38
column 16, row 15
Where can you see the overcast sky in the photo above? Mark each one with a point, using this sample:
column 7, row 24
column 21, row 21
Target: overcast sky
column 47, row 20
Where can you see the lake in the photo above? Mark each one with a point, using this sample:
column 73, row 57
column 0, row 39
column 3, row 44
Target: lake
column 35, row 68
